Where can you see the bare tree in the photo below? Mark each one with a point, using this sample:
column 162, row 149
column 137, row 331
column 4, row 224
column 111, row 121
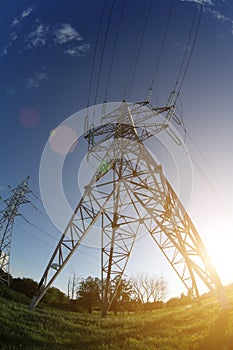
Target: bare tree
column 72, row 286
column 146, row 284
column 158, row 288
column 148, row 288
column 137, row 288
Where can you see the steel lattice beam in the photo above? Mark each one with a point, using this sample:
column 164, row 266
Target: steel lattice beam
column 130, row 196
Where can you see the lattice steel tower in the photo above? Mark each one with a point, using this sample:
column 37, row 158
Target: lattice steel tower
column 7, row 218
column 127, row 196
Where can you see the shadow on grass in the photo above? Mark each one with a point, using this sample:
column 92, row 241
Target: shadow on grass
column 217, row 339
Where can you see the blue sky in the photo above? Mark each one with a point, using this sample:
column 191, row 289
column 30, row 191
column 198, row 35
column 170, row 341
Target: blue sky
column 46, row 53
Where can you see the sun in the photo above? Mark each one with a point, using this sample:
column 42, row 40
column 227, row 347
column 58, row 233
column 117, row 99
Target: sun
column 219, row 244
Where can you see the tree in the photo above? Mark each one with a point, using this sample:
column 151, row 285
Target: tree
column 24, row 285
column 55, row 297
column 138, row 291
column 158, row 288
column 122, row 296
column 88, row 293
column 149, row 289
column 173, row 302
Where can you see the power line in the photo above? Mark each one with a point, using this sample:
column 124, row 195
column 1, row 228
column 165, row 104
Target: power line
column 103, row 50
column 174, row 96
column 162, row 45
column 39, row 211
column 202, row 172
column 38, row 228
column 49, row 245
column 39, row 199
column 191, row 51
column 31, row 236
column 114, row 48
column 186, row 49
column 95, row 51
column 138, row 49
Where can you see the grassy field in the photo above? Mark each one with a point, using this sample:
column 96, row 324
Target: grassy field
column 203, row 328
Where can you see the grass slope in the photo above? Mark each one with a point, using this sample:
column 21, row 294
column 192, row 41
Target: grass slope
column 203, row 328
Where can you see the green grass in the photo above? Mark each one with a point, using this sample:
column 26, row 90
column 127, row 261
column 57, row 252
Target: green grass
column 201, row 328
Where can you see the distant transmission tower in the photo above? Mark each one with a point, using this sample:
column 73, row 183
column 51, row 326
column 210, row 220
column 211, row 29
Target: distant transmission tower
column 128, row 196
column 7, row 218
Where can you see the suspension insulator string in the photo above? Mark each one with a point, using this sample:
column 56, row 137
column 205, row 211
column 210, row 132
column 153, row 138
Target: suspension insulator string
column 86, row 123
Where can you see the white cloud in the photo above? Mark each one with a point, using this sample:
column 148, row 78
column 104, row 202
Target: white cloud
column 66, row 33
column 15, row 22
column 4, row 50
column 27, row 12
column 23, row 15
column 38, row 37
column 42, row 76
column 201, row 2
column 210, row 7
column 47, row 35
column 13, row 36
column 44, row 35
column 37, row 79
column 216, row 14
column 181, row 46
column 32, row 83
column 77, row 50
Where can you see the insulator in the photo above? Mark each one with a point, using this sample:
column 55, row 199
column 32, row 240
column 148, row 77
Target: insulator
column 170, row 114
column 174, row 137
column 86, row 123
column 91, row 134
column 148, row 96
column 170, row 99
column 104, row 108
column 177, row 120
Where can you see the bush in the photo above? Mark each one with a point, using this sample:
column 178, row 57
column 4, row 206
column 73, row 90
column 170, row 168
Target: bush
column 7, row 293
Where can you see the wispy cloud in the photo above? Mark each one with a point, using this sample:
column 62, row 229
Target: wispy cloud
column 216, row 14
column 27, row 12
column 37, row 79
column 13, row 36
column 79, row 50
column 37, row 37
column 4, row 50
column 210, row 6
column 66, row 33
column 60, row 34
column 23, row 15
column 32, row 83
column 201, row 2
column 181, row 46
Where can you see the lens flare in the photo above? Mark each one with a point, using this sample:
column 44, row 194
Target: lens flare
column 29, row 117
column 63, row 139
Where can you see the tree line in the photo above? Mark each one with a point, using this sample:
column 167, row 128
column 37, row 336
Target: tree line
column 138, row 293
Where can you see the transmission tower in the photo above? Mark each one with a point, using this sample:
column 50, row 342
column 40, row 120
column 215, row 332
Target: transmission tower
column 6, row 226
column 129, row 196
